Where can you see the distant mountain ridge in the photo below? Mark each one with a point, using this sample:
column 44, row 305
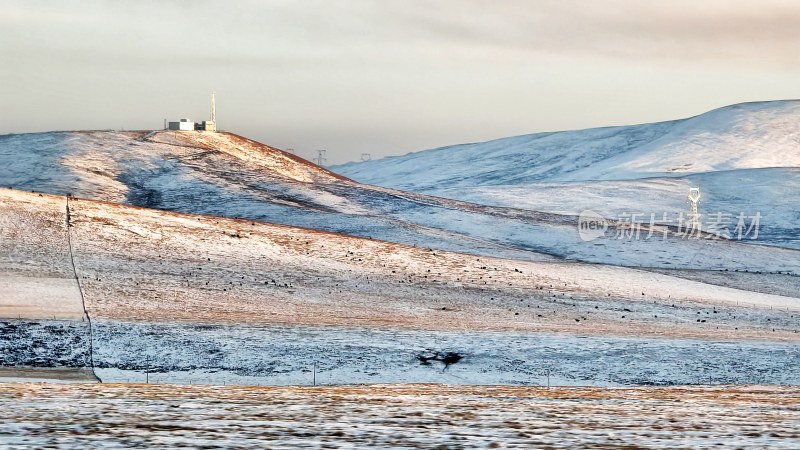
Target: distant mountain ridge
column 745, row 158
column 742, row 136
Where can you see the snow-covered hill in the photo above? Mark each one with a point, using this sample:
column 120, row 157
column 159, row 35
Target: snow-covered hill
column 745, row 158
column 743, row 136
column 222, row 175
column 228, row 176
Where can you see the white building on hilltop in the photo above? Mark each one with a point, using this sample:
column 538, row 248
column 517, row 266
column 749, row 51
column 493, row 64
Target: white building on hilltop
column 182, row 125
column 189, row 125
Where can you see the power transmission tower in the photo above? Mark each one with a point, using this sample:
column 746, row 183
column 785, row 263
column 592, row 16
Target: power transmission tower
column 290, row 150
column 320, row 160
column 366, row 157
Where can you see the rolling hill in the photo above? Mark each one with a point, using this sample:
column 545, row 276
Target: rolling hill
column 743, row 136
column 241, row 263
column 225, row 175
column 190, row 298
column 745, row 158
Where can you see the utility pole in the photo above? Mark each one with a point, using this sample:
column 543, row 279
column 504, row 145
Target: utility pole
column 320, row 160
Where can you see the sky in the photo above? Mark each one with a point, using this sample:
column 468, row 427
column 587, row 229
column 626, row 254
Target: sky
column 387, row 77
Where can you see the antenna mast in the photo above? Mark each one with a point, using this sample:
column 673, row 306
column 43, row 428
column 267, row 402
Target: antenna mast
column 213, row 108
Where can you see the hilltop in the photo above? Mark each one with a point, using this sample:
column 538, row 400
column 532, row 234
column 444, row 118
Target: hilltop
column 219, row 174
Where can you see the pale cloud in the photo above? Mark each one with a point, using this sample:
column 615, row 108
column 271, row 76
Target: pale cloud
column 726, row 31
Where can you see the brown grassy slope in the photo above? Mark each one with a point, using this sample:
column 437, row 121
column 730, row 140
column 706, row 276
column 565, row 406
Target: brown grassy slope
column 36, row 276
column 241, row 140
column 255, row 154
column 141, row 264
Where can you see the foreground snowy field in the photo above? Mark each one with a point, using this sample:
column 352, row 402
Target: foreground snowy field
column 412, row 416
column 188, row 353
column 281, row 355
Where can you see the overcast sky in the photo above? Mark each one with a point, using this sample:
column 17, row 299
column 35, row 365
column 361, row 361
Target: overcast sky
column 388, row 77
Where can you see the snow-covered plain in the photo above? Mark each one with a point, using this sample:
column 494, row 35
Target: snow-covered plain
column 199, row 268
column 44, row 344
column 283, row 355
column 142, row 264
